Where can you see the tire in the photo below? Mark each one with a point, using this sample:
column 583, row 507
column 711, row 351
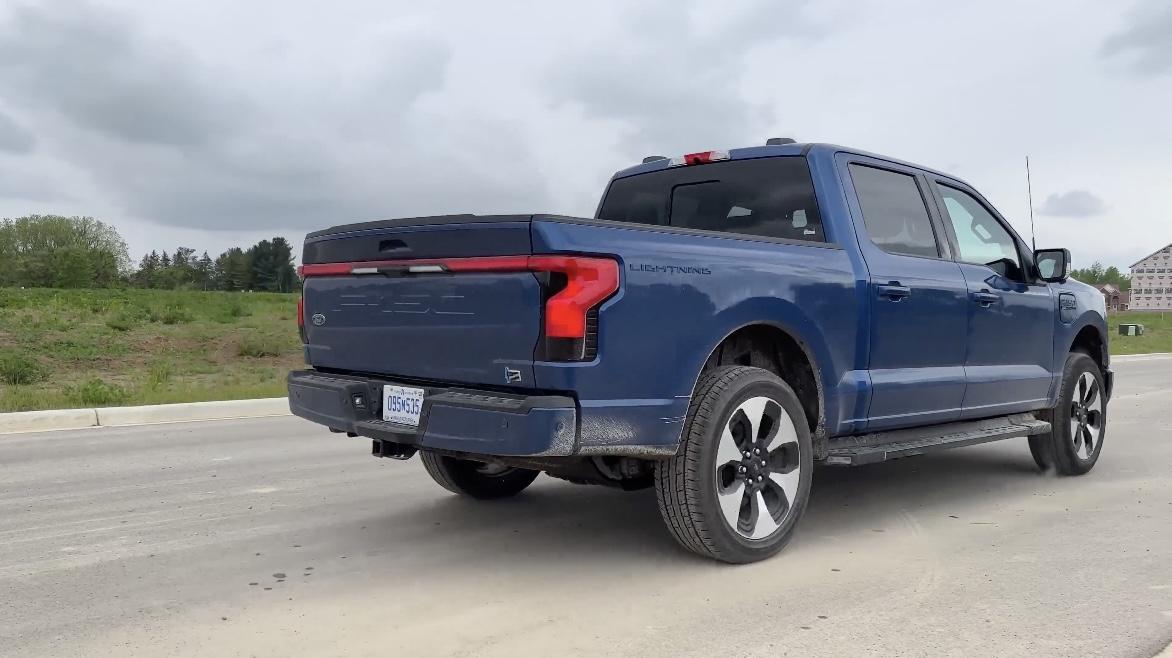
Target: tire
column 712, row 497
column 476, row 479
column 1079, row 415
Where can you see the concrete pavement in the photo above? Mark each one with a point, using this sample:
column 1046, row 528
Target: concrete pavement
column 272, row 537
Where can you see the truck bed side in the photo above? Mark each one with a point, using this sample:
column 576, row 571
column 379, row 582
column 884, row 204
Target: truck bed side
column 682, row 294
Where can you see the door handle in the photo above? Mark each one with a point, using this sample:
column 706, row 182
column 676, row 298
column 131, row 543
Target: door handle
column 986, row 298
column 893, row 291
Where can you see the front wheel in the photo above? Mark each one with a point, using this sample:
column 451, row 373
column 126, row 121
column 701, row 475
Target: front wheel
column 739, row 485
column 476, row 479
column 1078, row 422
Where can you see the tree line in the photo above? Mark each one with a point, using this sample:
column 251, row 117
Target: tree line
column 52, row 251
column 1096, row 274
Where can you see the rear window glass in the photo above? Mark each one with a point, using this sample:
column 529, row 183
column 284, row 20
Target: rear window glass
column 770, row 197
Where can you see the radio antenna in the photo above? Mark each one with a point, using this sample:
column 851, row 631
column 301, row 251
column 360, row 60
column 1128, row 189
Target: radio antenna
column 1030, row 192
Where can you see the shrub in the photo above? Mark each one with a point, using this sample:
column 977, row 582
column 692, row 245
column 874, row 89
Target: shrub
column 237, row 310
column 123, row 321
column 128, row 315
column 259, row 346
column 159, row 374
column 50, row 322
column 99, row 393
column 12, row 298
column 230, row 312
column 171, row 315
column 17, row 369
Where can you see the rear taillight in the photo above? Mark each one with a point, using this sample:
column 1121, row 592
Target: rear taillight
column 575, row 287
column 589, row 281
column 570, row 331
column 301, row 318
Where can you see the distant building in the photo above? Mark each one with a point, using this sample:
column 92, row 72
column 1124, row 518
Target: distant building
column 1151, row 282
column 1117, row 300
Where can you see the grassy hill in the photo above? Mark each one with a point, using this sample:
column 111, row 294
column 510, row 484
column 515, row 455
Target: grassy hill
column 86, row 348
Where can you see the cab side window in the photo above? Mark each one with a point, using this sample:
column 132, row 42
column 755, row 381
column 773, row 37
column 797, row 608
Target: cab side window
column 894, row 212
column 980, row 238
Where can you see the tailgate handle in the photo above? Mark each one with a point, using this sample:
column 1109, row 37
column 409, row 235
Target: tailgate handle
column 385, row 246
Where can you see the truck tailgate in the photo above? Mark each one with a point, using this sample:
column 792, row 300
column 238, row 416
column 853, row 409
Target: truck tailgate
column 374, row 304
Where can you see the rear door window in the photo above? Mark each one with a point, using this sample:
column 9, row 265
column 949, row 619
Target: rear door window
column 768, row 197
column 894, row 211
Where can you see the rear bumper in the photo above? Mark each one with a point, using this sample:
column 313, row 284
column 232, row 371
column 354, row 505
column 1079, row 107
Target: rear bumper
column 454, row 419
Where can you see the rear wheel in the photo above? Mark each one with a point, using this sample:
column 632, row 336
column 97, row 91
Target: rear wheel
column 1078, row 422
column 739, row 485
column 476, row 479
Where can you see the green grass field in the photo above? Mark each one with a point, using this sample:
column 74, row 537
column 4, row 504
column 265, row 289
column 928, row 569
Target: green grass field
column 92, row 348
column 1157, row 332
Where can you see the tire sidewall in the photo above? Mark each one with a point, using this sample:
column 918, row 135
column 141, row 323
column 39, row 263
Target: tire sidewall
column 707, row 438
column 1077, row 364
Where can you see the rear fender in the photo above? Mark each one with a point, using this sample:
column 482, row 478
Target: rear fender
column 788, row 317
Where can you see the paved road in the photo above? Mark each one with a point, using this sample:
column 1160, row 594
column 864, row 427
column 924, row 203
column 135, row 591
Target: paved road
column 271, row 537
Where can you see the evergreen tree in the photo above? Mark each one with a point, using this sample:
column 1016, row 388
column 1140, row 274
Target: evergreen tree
column 204, row 272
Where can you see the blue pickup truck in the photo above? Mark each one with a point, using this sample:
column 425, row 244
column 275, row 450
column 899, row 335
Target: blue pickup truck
column 726, row 321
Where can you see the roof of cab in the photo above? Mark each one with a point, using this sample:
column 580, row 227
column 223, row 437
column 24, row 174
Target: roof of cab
column 750, row 152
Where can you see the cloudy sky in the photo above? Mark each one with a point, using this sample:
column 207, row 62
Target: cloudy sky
column 216, row 122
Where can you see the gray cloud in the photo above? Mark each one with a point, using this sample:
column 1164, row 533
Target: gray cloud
column 1075, row 203
column 669, row 77
column 175, row 143
column 1146, row 40
column 90, row 66
column 14, row 137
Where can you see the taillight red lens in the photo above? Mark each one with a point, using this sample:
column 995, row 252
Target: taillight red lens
column 703, row 157
column 327, row 269
column 301, row 317
column 588, row 282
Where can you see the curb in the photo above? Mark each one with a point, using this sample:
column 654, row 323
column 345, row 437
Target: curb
column 74, row 419
column 1140, row 357
column 54, row 419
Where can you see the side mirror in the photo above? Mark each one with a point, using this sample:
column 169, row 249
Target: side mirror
column 1053, row 264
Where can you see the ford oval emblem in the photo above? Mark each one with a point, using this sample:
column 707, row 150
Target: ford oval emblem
column 318, row 319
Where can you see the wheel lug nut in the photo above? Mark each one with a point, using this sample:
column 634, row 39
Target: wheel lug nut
column 746, row 453
column 756, row 451
column 760, row 477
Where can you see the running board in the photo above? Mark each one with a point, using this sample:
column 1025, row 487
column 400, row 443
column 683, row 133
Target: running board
column 881, row 446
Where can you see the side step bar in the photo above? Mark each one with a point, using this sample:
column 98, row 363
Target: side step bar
column 881, row 446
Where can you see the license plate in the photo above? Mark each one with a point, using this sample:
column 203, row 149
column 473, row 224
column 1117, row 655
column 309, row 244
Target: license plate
column 402, row 404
